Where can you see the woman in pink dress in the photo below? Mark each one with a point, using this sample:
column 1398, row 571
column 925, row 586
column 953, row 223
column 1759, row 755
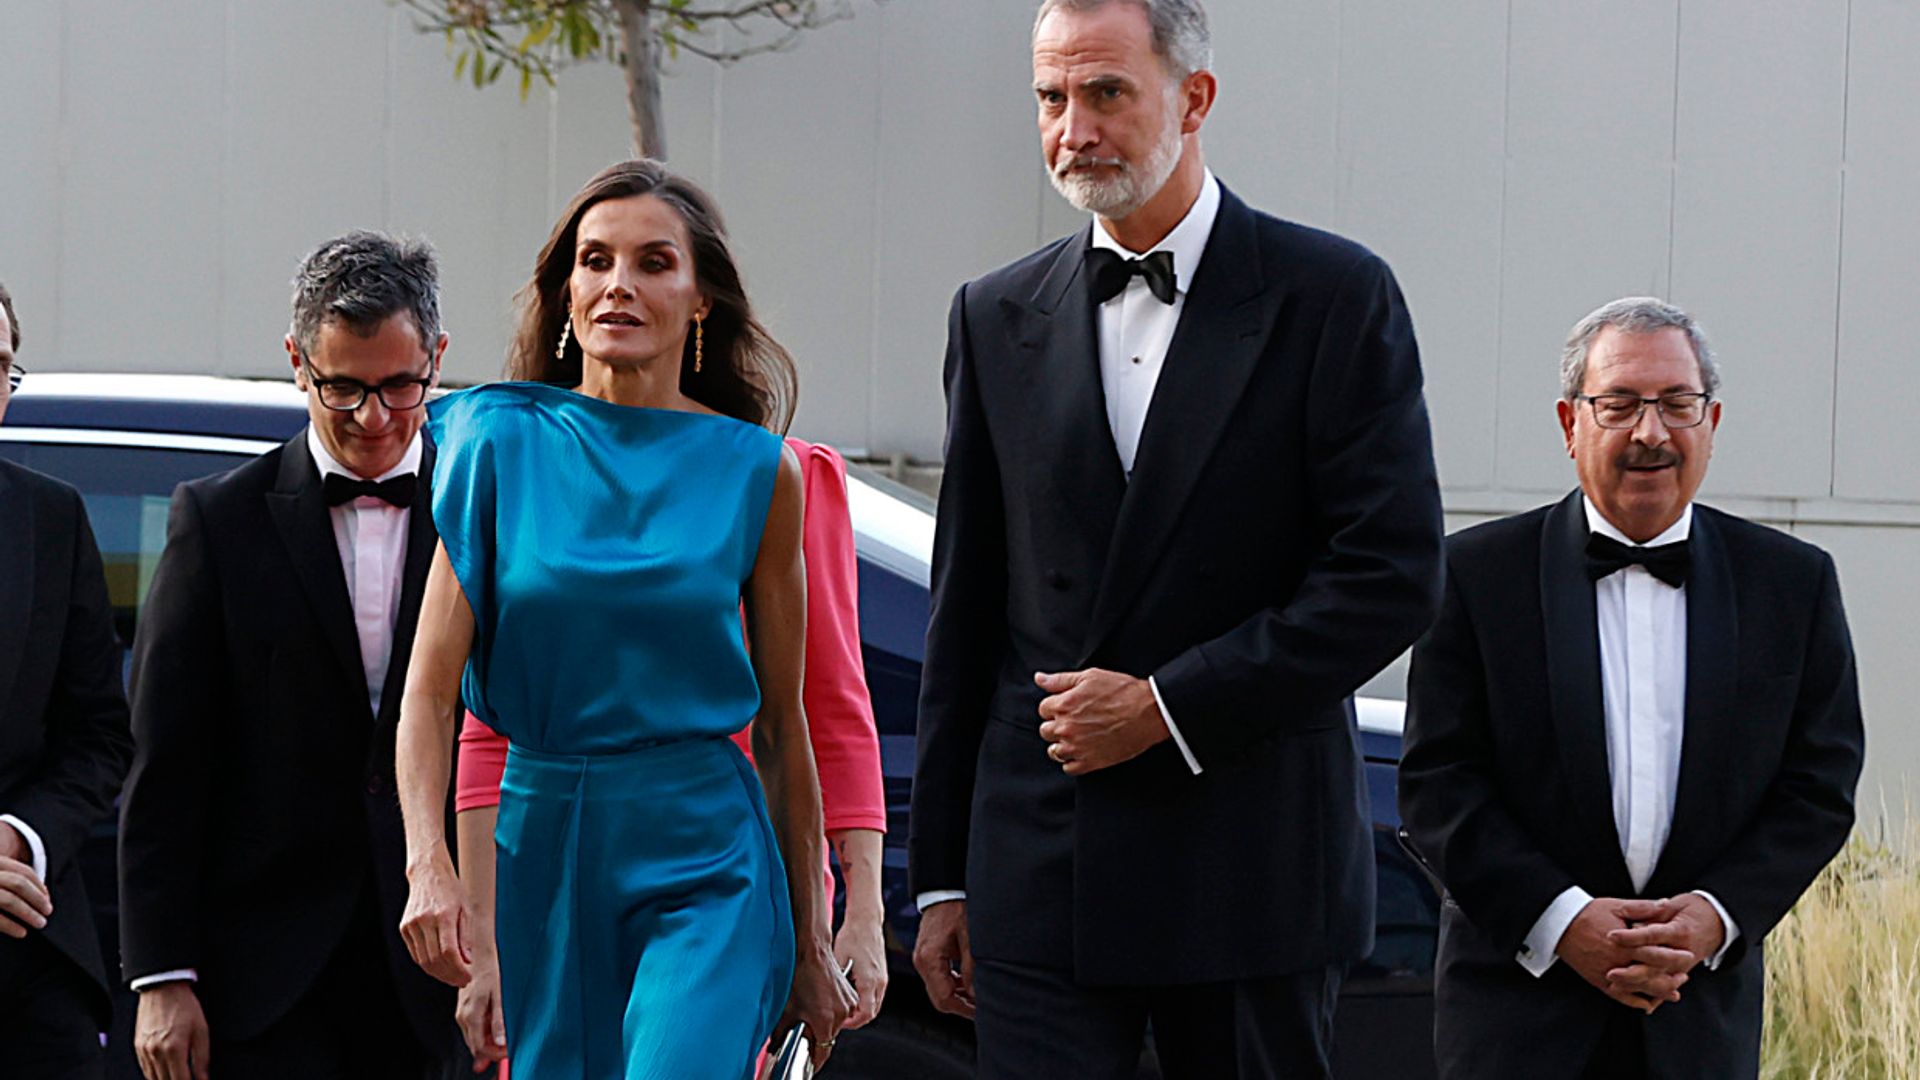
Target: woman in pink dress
column 845, row 747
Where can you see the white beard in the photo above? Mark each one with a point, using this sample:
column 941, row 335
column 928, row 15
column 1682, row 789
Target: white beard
column 1118, row 196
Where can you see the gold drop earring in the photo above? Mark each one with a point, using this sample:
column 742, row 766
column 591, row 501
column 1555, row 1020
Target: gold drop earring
column 566, row 328
column 698, row 345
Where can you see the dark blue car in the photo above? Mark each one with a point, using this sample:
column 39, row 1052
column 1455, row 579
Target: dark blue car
column 126, row 440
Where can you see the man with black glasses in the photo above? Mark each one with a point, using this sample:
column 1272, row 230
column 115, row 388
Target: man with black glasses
column 262, row 866
column 1632, row 740
column 63, row 753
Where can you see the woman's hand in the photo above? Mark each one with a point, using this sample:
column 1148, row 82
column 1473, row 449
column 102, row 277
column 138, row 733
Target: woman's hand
column 862, row 946
column 477, row 1010
column 821, row 998
column 433, row 923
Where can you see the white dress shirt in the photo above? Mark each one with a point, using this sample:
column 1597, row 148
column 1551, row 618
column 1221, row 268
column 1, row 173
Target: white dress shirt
column 36, row 848
column 1135, row 329
column 371, row 536
column 1643, row 678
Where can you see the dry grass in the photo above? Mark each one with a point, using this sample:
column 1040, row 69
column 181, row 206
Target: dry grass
column 1843, row 970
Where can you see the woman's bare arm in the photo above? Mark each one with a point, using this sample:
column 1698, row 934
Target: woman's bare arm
column 776, row 603
column 423, row 764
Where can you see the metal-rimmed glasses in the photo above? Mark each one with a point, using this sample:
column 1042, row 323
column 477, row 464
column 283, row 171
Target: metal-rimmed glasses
column 1618, row 412
column 14, row 374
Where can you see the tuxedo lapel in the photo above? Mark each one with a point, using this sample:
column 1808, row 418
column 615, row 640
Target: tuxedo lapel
column 299, row 509
column 1573, row 681
column 16, row 580
column 1713, row 650
column 421, row 541
column 1061, row 354
column 1213, row 353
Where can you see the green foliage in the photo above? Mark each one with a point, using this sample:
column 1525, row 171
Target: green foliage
column 538, row 38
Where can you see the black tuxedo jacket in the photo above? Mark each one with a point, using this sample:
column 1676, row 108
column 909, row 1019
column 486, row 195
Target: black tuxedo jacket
column 63, row 715
column 1504, row 781
column 1276, row 545
column 261, row 806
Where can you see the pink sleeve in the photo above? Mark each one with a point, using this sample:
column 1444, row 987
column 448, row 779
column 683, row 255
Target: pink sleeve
column 483, row 759
column 839, row 712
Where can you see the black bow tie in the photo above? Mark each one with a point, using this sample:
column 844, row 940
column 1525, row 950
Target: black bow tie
column 1668, row 562
column 1111, row 271
column 398, row 491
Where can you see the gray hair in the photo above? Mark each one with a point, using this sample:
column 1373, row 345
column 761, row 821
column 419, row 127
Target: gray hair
column 13, row 321
column 1180, row 36
column 1632, row 315
column 362, row 279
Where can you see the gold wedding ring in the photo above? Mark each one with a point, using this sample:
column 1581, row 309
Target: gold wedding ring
column 1053, row 751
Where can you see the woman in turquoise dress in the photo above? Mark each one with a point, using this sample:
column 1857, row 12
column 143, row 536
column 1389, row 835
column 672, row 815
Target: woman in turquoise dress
column 658, row 907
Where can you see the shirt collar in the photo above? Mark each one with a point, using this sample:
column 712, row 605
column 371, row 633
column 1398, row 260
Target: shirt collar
column 1676, row 532
column 1187, row 241
column 409, row 461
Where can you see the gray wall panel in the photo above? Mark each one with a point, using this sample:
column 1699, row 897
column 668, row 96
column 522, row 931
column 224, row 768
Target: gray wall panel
column 1876, row 442
column 936, row 229
column 311, row 134
column 470, row 176
column 796, row 183
column 1587, row 212
column 1422, row 126
column 31, row 199
column 1880, row 582
column 141, row 279
column 1756, row 226
column 1273, row 136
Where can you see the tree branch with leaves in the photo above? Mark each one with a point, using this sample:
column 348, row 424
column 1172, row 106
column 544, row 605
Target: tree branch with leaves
column 536, row 39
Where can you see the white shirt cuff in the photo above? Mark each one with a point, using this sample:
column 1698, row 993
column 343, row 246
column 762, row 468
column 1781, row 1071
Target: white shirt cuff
column 1172, row 729
column 937, row 896
column 1726, row 923
column 35, row 847
column 176, row 975
column 1541, row 948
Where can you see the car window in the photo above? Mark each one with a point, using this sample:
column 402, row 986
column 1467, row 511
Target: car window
column 127, row 490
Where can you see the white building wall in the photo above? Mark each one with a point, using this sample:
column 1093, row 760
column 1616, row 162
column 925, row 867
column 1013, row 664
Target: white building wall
column 1518, row 163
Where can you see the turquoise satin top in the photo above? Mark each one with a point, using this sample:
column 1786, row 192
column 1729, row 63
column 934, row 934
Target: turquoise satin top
column 603, row 549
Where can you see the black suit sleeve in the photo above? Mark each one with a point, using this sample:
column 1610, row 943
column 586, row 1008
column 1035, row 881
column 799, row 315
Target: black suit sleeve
column 1374, row 514
column 87, row 743
column 1807, row 810
column 966, row 630
column 177, row 681
column 1450, row 795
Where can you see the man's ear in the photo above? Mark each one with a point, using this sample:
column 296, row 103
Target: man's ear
column 1197, row 94
column 1565, row 410
column 299, row 369
column 439, row 350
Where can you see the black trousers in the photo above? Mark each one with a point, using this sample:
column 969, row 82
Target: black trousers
column 48, row 1029
column 348, row 1026
column 1622, row 1053
column 1038, row 1023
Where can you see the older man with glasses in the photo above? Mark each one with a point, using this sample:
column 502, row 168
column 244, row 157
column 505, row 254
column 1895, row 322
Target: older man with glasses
column 1632, row 740
column 63, row 753
column 261, row 852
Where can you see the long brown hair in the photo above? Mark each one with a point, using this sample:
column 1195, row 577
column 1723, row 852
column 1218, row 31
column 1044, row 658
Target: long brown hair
column 745, row 374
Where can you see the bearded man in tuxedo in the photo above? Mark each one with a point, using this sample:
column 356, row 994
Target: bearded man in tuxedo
column 1189, row 507
column 1632, row 740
